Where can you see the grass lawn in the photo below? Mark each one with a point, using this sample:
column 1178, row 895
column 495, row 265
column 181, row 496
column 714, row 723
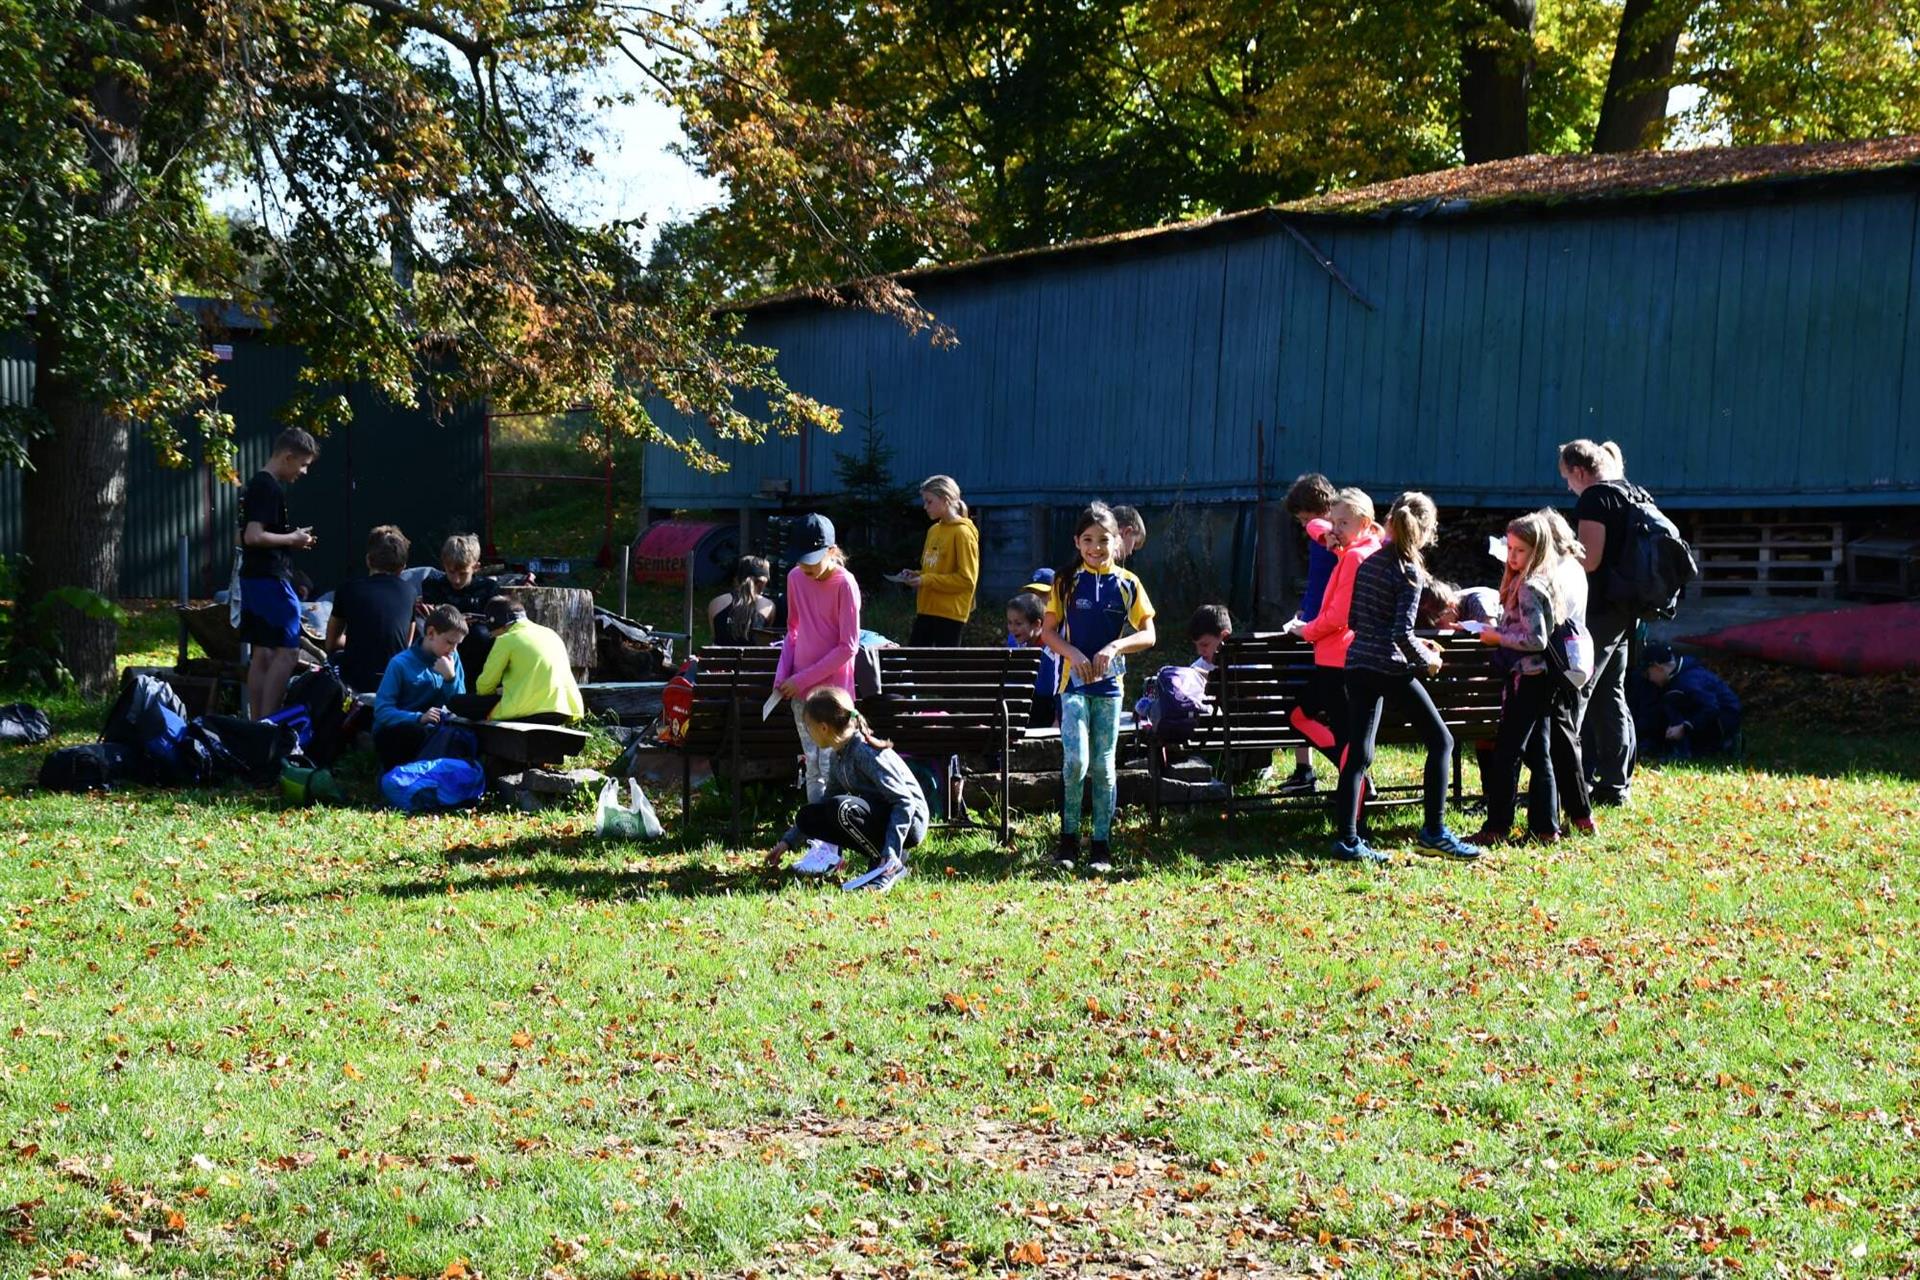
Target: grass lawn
column 237, row 1039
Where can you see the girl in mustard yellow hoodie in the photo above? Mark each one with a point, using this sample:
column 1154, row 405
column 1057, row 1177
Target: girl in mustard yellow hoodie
column 949, row 567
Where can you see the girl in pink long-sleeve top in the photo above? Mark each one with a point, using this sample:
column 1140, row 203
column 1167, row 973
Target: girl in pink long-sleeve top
column 823, row 634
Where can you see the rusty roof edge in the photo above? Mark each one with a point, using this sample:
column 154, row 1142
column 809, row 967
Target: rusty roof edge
column 1901, row 174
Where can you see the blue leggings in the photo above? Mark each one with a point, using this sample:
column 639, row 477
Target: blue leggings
column 1089, row 740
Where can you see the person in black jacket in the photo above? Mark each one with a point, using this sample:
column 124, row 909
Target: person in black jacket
column 1699, row 714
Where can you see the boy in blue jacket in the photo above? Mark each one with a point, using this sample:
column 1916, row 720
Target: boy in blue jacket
column 414, row 691
column 1702, row 713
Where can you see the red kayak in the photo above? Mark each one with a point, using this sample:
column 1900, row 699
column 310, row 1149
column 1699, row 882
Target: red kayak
column 1871, row 640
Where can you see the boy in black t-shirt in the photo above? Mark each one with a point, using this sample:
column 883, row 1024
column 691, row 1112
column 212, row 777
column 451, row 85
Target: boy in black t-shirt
column 373, row 616
column 269, row 610
column 457, row 585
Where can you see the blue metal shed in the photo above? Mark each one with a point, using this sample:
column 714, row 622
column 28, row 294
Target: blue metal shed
column 1749, row 344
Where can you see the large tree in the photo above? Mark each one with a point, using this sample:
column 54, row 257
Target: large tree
column 407, row 161
column 1055, row 119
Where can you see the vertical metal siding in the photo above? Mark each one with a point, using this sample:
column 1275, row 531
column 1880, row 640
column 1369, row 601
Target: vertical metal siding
column 405, row 470
column 1739, row 350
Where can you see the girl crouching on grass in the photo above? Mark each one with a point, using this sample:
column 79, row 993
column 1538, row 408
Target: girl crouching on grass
column 872, row 801
column 1385, row 661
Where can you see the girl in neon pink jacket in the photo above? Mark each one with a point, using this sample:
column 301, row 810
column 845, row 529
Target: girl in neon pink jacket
column 1321, row 714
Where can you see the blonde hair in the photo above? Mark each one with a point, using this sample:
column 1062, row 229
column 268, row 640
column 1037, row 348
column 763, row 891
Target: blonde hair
column 949, row 488
column 461, row 548
column 1604, row 460
column 832, row 707
column 1413, row 522
column 1565, row 542
column 1355, row 500
column 1534, row 531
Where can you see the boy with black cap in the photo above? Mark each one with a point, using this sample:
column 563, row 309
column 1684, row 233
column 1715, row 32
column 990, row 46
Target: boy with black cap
column 528, row 667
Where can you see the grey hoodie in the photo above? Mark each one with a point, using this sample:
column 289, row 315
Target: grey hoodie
column 880, row 777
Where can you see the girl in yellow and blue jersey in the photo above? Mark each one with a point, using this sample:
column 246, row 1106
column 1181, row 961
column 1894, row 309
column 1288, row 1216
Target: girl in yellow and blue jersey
column 1097, row 615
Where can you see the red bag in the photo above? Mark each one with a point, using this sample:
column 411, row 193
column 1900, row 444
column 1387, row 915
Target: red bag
column 676, row 705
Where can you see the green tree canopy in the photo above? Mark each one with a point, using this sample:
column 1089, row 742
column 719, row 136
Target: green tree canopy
column 1055, row 119
column 403, row 158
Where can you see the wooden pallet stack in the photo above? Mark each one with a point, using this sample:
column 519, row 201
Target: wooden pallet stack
column 1754, row 556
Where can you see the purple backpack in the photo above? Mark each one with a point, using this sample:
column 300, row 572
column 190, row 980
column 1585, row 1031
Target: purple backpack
column 1175, row 701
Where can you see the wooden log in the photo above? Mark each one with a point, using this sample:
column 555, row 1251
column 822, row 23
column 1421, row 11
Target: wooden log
column 568, row 611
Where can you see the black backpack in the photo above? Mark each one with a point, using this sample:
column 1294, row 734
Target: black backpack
column 1654, row 563
column 321, row 692
column 93, row 767
column 254, row 749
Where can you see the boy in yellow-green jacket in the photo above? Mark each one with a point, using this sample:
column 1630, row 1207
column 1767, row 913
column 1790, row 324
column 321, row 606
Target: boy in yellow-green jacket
column 528, row 668
column 949, row 567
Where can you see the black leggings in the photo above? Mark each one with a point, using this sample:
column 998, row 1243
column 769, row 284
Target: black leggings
column 1558, row 754
column 847, row 820
column 1368, row 692
column 1321, row 715
column 1526, row 729
column 935, row 633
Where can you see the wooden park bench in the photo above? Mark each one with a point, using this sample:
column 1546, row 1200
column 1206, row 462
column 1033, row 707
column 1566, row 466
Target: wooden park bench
column 1258, row 683
column 932, row 702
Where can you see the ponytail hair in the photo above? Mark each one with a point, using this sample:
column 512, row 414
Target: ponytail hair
column 1413, row 523
column 1096, row 513
column 949, row 488
column 1604, row 460
column 832, row 706
column 1565, row 542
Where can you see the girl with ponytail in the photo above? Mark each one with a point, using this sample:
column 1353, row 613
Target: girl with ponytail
column 1385, row 661
column 872, row 802
column 949, row 567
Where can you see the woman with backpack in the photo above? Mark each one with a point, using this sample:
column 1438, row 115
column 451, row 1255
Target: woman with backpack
column 1602, row 512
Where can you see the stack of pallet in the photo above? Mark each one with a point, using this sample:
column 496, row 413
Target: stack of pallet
column 1755, row 556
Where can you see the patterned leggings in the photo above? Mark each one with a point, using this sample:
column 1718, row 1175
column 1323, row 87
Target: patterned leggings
column 1089, row 740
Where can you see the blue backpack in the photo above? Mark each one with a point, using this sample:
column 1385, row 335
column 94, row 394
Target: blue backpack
column 426, row 785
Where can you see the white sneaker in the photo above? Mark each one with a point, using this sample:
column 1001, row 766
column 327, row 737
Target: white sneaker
column 880, row 879
column 820, row 859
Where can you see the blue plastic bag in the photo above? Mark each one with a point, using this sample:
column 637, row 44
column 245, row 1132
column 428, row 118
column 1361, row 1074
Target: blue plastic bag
column 426, row 785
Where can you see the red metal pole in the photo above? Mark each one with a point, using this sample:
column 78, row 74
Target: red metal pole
column 606, row 538
column 486, row 479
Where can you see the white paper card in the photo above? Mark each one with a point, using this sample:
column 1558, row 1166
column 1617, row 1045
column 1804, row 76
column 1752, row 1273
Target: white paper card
column 1470, row 627
column 773, row 700
column 1497, row 548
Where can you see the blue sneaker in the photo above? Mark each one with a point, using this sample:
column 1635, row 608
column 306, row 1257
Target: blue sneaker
column 880, row 879
column 1357, row 850
column 1445, row 844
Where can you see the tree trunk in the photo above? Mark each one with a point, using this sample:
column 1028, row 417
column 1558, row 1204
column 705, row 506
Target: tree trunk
column 73, row 501
column 1496, row 80
column 1635, row 105
column 74, row 494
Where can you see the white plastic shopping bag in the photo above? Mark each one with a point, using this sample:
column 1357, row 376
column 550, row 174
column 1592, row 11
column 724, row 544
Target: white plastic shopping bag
column 629, row 819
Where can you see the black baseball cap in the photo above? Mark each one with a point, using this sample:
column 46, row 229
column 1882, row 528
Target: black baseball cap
column 503, row 612
column 812, row 538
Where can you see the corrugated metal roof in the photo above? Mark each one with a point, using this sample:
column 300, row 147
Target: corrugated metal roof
column 1528, row 183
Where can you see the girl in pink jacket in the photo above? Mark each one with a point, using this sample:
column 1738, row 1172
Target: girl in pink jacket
column 1321, row 714
column 823, row 634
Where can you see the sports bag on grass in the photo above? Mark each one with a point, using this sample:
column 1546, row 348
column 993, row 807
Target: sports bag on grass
column 426, row 785
column 93, row 767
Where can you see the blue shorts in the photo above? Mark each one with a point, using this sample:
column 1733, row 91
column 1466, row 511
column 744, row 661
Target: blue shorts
column 269, row 613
